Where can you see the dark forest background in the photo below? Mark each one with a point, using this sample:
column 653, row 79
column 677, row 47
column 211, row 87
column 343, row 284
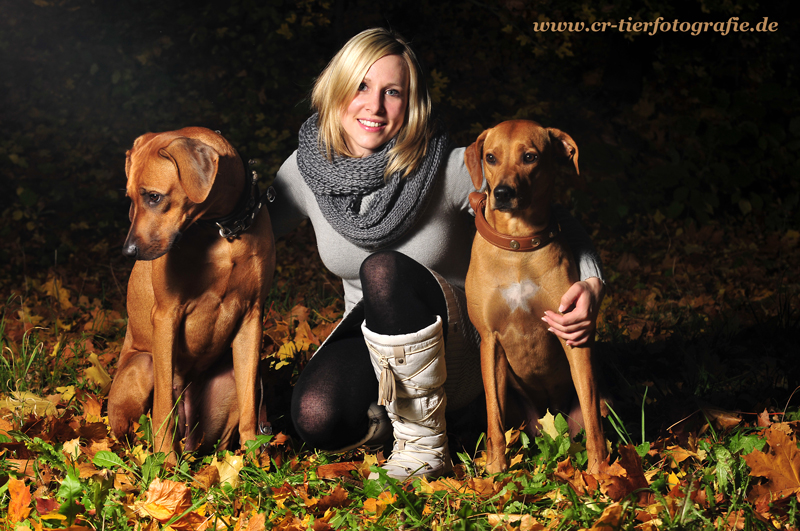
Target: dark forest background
column 686, row 127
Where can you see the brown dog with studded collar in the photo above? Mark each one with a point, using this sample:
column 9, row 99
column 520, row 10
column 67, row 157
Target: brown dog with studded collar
column 205, row 259
column 519, row 268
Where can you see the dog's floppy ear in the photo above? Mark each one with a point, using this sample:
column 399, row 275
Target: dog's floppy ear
column 197, row 165
column 472, row 158
column 564, row 146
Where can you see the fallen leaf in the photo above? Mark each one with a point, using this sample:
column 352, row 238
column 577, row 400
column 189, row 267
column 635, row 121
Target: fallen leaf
column 167, row 499
column 229, row 468
column 19, row 506
column 379, row 504
column 610, row 519
column 513, row 522
column 98, row 374
column 24, row 403
column 548, row 425
column 336, row 499
column 623, row 477
column 207, row 477
column 780, row 465
column 337, row 470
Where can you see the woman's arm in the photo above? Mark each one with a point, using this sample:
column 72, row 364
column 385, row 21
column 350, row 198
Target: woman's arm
column 580, row 305
column 288, row 210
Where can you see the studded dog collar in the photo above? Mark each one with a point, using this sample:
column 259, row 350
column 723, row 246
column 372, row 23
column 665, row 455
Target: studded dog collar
column 533, row 242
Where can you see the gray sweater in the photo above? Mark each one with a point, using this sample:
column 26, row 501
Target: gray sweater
column 441, row 239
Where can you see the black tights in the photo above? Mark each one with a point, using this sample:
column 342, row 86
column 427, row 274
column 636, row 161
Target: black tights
column 334, row 391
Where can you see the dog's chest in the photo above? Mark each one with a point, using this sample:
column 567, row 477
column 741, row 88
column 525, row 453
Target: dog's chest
column 519, row 296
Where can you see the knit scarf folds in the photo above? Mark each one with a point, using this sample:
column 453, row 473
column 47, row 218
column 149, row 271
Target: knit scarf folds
column 341, row 185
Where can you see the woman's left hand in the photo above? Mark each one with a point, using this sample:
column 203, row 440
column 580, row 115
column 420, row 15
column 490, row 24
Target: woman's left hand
column 579, row 308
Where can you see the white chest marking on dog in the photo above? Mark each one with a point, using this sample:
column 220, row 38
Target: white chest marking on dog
column 518, row 295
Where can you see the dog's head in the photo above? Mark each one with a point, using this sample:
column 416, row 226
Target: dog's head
column 170, row 181
column 518, row 158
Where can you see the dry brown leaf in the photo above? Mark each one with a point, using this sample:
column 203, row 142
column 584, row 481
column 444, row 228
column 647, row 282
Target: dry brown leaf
column 257, row 522
column 337, row 498
column 573, row 477
column 610, row 519
column 780, row 465
column 623, row 477
column 337, row 470
column 627, row 262
column 299, row 313
column 207, row 477
column 512, row 522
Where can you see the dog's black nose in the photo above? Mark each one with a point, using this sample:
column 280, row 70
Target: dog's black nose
column 503, row 194
column 130, row 250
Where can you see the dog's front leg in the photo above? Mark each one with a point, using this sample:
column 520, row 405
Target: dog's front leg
column 165, row 329
column 580, row 365
column 246, row 353
column 494, row 368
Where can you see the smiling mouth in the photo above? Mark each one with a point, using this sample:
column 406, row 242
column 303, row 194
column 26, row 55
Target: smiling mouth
column 370, row 124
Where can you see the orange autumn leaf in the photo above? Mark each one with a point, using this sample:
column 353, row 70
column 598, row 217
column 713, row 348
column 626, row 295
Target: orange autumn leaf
column 523, row 522
column 19, row 506
column 337, row 498
column 623, row 477
column 610, row 519
column 336, row 470
column 377, row 505
column 167, row 499
column 780, row 465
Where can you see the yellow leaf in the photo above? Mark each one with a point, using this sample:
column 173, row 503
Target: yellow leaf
column 55, row 289
column 512, row 436
column 287, row 351
column 548, row 425
column 139, row 454
column 28, row 403
column 229, row 468
column 97, row 373
column 67, row 393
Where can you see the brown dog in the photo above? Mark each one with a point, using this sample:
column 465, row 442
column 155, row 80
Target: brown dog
column 519, row 268
column 194, row 296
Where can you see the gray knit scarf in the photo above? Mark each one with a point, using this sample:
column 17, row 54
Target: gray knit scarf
column 390, row 206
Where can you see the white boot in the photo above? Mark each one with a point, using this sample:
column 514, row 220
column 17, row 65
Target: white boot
column 411, row 373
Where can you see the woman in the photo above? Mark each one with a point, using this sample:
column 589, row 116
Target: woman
column 387, row 197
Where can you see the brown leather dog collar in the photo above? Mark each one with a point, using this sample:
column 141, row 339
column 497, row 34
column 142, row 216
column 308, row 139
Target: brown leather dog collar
column 533, row 242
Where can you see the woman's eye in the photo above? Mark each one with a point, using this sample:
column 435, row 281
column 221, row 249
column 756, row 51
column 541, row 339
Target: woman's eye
column 530, row 157
column 392, row 92
column 362, row 87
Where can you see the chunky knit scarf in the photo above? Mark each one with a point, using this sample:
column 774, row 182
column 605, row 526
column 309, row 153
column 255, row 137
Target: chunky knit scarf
column 360, row 204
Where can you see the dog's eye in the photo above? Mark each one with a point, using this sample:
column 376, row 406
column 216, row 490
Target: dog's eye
column 154, row 198
column 490, row 158
column 530, row 157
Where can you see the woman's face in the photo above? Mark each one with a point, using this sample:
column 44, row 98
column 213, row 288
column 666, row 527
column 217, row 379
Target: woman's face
column 378, row 110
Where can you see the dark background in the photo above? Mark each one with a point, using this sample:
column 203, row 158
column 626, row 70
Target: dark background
column 695, row 127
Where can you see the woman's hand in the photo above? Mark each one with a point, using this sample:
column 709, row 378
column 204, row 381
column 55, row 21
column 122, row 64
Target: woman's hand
column 579, row 308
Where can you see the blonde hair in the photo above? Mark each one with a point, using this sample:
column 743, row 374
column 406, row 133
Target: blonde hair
column 338, row 84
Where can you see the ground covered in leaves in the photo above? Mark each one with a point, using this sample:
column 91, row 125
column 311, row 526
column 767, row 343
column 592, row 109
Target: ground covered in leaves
column 698, row 332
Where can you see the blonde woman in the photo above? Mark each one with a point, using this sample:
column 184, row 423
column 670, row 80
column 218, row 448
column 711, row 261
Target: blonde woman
column 386, row 194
